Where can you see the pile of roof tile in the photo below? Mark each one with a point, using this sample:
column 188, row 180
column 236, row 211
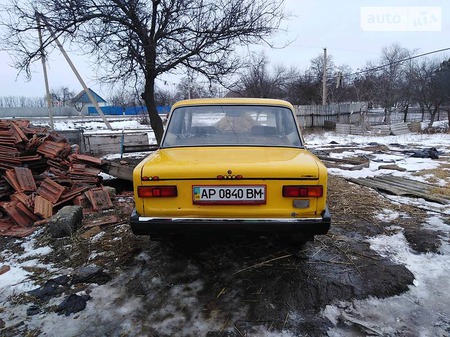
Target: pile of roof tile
column 41, row 172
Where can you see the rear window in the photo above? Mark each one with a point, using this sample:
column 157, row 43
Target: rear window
column 225, row 125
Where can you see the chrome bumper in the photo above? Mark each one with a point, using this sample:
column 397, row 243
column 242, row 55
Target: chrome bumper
column 172, row 226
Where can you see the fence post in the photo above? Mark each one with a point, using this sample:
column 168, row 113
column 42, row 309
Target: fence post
column 122, row 141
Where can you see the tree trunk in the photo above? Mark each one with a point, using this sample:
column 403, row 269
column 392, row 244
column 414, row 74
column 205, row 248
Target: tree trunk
column 387, row 116
column 432, row 116
column 406, row 113
column 155, row 120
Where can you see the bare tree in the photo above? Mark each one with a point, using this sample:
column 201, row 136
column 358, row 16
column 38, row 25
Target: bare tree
column 260, row 81
column 63, row 95
column 391, row 74
column 316, row 70
column 307, row 88
column 21, row 101
column 364, row 83
column 191, row 87
column 164, row 97
column 443, row 78
column 138, row 40
column 431, row 82
column 303, row 90
column 340, row 86
column 317, row 65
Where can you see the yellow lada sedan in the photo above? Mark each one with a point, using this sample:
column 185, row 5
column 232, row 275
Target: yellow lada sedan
column 231, row 166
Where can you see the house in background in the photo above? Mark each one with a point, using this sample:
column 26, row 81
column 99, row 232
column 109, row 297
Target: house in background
column 82, row 102
column 85, row 107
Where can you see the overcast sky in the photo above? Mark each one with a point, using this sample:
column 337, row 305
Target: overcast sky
column 353, row 31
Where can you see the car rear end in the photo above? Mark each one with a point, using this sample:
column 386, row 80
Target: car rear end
column 187, row 188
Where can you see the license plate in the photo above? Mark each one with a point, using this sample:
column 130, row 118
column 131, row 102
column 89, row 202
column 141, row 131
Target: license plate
column 231, row 195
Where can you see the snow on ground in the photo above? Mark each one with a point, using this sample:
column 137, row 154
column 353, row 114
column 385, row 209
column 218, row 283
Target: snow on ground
column 397, row 144
column 17, row 280
column 422, row 311
column 397, row 154
column 94, row 124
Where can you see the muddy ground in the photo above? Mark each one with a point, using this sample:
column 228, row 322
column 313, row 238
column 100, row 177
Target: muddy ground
column 237, row 286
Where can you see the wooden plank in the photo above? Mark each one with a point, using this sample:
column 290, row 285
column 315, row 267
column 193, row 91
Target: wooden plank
column 112, row 143
column 355, row 164
column 419, row 185
column 342, row 160
column 119, row 171
column 139, row 148
column 391, row 167
column 387, row 185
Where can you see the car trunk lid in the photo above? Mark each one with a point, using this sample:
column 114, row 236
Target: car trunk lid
column 246, row 162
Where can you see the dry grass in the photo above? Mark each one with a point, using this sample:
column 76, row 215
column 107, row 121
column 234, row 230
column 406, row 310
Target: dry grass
column 441, row 191
column 445, row 166
column 348, row 199
column 350, row 204
column 433, row 176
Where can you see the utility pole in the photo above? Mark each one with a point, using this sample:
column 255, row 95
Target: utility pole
column 75, row 71
column 47, row 88
column 324, row 79
column 189, row 83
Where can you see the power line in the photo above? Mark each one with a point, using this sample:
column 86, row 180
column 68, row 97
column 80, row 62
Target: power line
column 165, row 82
column 399, row 61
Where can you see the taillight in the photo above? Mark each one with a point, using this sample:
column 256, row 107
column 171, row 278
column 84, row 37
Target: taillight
column 157, row 191
column 302, row 191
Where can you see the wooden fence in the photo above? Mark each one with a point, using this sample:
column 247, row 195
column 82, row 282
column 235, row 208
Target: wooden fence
column 318, row 115
column 356, row 114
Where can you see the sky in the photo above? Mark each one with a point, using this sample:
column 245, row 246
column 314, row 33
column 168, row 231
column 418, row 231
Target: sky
column 352, row 31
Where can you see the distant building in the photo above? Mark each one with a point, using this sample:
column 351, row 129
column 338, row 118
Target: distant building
column 82, row 102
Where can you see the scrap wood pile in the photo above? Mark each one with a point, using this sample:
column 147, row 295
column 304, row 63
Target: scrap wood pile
column 41, row 172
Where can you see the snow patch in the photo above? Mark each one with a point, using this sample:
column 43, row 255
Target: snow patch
column 388, row 215
column 422, row 311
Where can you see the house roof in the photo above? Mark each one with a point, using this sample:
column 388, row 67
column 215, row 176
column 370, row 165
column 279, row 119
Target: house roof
column 82, row 97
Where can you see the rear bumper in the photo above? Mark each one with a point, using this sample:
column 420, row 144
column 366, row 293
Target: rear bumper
column 185, row 226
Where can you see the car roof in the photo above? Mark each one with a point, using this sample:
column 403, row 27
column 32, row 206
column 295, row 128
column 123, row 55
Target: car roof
column 233, row 101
